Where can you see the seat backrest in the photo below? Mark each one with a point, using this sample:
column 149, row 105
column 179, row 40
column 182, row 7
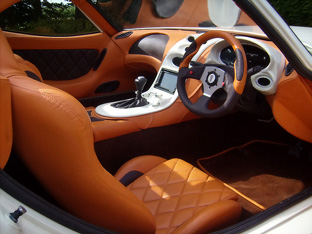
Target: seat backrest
column 52, row 133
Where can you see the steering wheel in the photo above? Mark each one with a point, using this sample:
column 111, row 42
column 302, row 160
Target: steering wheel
column 213, row 77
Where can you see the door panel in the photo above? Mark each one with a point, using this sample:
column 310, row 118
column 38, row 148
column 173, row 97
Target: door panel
column 111, row 67
column 76, row 64
column 61, row 64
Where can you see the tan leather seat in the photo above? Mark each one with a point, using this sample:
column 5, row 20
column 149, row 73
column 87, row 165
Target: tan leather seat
column 54, row 137
column 182, row 198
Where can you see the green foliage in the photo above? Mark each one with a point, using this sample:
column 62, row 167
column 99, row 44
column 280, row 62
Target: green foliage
column 17, row 16
column 68, row 26
column 294, row 12
column 44, row 18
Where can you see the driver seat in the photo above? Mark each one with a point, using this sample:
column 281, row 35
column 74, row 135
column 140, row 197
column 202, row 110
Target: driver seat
column 52, row 134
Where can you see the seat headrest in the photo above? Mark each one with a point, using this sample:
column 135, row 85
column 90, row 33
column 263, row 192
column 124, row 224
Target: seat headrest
column 8, row 64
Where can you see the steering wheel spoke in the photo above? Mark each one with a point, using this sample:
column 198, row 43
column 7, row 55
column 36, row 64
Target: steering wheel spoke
column 213, row 78
column 191, row 73
column 202, row 102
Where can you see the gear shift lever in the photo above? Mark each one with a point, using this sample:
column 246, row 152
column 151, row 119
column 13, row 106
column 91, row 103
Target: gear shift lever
column 139, row 84
column 138, row 100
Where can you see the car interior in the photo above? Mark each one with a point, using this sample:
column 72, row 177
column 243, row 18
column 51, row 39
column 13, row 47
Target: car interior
column 130, row 154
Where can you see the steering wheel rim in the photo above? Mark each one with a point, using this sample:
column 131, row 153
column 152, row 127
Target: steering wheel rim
column 212, row 78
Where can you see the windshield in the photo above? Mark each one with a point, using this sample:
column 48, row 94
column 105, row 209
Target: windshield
column 204, row 15
column 127, row 14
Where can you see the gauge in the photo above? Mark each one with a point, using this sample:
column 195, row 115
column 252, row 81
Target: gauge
column 228, row 56
column 255, row 56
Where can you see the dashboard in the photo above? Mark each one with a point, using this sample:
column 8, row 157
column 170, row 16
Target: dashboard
column 268, row 62
column 266, row 65
column 265, row 62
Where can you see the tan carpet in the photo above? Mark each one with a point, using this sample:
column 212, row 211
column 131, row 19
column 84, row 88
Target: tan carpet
column 262, row 171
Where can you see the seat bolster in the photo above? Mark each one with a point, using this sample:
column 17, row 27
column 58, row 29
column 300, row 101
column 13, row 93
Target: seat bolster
column 6, row 132
column 8, row 65
column 140, row 164
column 27, row 66
column 214, row 217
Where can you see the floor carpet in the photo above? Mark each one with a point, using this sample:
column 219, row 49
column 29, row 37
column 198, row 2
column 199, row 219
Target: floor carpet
column 263, row 171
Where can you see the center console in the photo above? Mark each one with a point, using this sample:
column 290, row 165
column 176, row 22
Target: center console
column 160, row 96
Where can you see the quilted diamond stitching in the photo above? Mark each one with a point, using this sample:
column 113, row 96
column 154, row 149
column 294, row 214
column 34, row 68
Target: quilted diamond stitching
column 60, row 64
column 175, row 191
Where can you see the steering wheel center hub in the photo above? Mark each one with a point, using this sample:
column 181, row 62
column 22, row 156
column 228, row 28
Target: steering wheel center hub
column 212, row 79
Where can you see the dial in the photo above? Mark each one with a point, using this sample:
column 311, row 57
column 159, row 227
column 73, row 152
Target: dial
column 255, row 56
column 228, row 56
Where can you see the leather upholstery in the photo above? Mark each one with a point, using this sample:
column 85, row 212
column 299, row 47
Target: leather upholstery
column 64, row 64
column 292, row 105
column 54, row 137
column 8, row 65
column 142, row 164
column 27, row 66
column 178, row 193
column 6, row 132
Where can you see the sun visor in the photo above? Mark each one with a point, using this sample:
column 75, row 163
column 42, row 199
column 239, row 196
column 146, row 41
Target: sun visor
column 223, row 13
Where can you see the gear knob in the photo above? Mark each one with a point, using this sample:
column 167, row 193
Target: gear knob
column 138, row 101
column 139, row 84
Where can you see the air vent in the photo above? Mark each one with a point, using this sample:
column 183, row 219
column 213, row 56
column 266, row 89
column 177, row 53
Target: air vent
column 264, row 81
column 124, row 35
column 176, row 61
column 289, row 69
column 109, row 86
column 191, row 39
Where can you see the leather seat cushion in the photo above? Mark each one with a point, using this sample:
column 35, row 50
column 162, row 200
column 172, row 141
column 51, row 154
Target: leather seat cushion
column 175, row 192
column 136, row 167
